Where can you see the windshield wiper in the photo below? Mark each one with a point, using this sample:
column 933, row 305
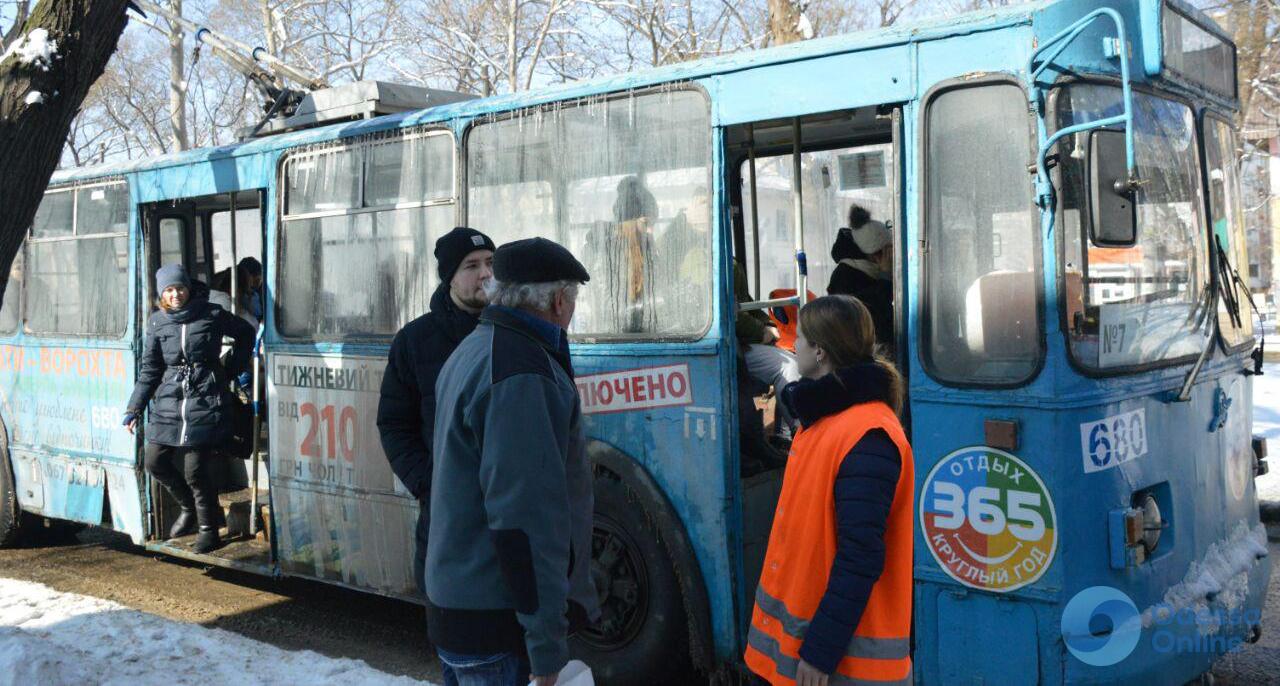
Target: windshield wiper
column 1229, row 276
column 1185, row 394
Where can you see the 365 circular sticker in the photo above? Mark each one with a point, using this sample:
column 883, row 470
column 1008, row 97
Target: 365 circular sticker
column 988, row 519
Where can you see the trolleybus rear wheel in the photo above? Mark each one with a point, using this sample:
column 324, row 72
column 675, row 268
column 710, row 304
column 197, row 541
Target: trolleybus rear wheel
column 642, row 635
column 14, row 523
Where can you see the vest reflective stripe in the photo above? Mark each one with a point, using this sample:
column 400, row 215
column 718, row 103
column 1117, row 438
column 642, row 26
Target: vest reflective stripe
column 859, row 646
column 787, row 665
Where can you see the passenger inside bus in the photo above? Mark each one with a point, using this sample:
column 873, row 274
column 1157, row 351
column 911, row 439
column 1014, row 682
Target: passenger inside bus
column 249, row 278
column 863, row 253
column 684, row 243
column 622, row 253
column 754, row 333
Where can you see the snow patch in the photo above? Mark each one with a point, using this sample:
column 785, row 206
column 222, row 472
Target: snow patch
column 34, row 98
column 33, row 49
column 804, row 27
column 1266, row 422
column 1221, row 577
column 48, row 637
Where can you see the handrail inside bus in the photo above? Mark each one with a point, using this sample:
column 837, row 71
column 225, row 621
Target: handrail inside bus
column 1058, row 43
column 768, row 304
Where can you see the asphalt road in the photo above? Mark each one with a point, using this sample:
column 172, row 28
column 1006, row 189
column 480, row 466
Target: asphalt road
column 388, row 634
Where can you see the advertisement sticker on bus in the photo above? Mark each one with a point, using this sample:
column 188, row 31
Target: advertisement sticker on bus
column 988, row 519
column 635, row 389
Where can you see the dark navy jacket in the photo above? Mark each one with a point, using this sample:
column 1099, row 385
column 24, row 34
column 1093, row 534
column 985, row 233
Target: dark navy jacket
column 509, row 560
column 182, row 377
column 864, row 491
column 407, row 407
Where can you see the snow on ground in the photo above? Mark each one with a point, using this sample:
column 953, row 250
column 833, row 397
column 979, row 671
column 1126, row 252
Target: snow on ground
column 47, row 637
column 1266, row 422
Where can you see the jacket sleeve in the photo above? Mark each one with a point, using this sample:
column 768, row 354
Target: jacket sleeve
column 526, row 500
column 149, row 374
column 864, row 491
column 749, row 325
column 243, row 334
column 400, row 422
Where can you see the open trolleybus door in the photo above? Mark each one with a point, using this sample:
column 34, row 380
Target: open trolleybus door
column 210, row 235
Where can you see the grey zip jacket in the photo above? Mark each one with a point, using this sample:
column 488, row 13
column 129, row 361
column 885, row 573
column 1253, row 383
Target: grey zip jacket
column 509, row 554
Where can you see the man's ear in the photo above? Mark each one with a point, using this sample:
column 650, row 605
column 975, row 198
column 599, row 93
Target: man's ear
column 559, row 302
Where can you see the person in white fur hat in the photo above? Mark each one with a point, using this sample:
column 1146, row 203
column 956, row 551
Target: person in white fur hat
column 863, row 253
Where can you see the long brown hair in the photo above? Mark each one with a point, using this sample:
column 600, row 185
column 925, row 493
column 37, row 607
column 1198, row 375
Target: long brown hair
column 841, row 325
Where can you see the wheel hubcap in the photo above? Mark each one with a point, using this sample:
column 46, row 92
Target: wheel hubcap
column 621, row 584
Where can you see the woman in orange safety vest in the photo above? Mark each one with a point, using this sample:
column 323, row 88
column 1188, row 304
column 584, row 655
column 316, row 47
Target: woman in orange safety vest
column 834, row 601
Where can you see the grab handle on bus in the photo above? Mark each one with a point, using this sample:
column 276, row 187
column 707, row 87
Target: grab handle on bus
column 1041, row 58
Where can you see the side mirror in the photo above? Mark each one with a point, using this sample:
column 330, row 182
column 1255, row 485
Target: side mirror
column 1113, row 214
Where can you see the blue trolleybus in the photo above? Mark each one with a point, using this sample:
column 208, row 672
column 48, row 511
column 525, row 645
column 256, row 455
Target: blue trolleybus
column 1062, row 183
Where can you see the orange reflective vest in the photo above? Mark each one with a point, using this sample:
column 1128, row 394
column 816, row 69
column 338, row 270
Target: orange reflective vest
column 802, row 548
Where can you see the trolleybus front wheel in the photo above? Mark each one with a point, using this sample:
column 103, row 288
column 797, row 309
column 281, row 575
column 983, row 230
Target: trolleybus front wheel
column 642, row 635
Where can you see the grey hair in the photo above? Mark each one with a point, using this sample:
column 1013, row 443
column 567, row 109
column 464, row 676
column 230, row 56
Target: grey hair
column 530, row 296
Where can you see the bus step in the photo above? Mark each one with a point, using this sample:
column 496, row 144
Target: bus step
column 245, row 554
column 238, row 507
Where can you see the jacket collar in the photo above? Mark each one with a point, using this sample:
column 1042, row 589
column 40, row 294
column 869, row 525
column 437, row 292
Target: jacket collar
column 453, row 320
column 813, row 399
column 867, row 267
column 546, row 334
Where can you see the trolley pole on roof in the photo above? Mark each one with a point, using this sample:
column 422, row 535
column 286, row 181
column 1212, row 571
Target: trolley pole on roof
column 247, row 60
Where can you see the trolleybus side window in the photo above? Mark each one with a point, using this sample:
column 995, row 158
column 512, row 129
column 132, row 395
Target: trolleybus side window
column 623, row 183
column 248, row 236
column 172, row 234
column 982, row 322
column 9, row 311
column 1226, row 218
column 831, row 181
column 373, row 206
column 77, row 263
column 1131, row 306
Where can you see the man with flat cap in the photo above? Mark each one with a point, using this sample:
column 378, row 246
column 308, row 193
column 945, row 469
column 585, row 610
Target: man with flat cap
column 407, row 406
column 508, row 563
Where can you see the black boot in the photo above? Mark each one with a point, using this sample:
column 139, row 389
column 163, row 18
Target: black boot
column 207, row 540
column 185, row 523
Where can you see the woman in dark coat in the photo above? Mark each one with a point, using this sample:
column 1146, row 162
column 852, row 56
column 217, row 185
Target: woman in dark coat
column 188, row 391
column 863, row 253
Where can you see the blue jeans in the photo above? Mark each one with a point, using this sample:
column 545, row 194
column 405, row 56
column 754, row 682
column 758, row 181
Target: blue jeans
column 502, row 669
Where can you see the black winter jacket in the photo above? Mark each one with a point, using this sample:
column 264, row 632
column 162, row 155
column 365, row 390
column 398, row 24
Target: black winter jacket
column 182, row 376
column 876, row 294
column 407, row 407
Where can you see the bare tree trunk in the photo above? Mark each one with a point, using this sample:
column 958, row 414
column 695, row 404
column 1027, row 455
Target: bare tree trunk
column 784, row 22
column 34, row 128
column 177, row 82
column 513, row 59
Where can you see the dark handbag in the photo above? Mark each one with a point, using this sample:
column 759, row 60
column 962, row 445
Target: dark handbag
column 239, row 443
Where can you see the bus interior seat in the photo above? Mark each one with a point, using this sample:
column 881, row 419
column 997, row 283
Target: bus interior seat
column 785, row 317
column 989, row 330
